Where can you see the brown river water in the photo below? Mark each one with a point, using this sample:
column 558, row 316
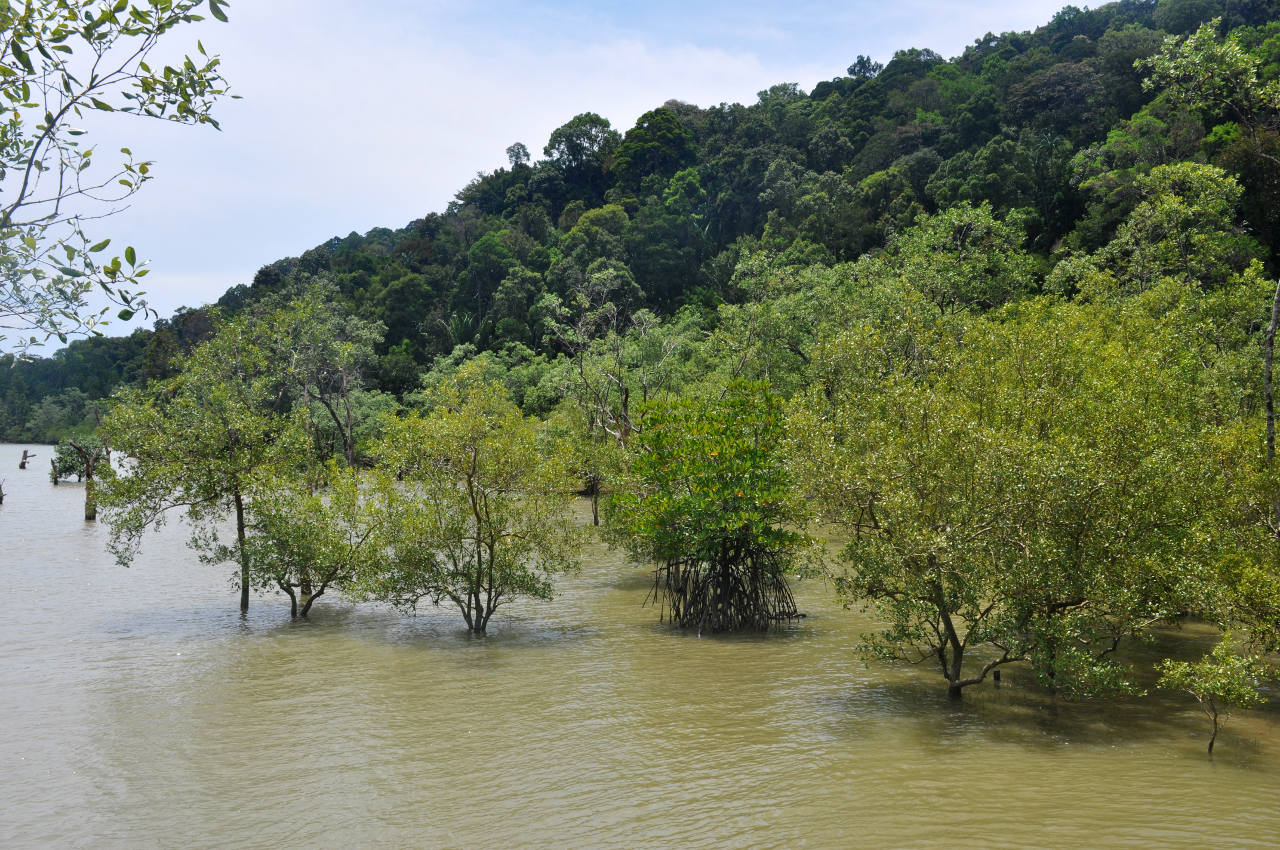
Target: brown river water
column 138, row 709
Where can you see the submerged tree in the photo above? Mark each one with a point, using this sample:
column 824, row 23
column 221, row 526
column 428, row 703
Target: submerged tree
column 195, row 443
column 479, row 514
column 85, row 458
column 308, row 534
column 711, row 502
column 238, row 432
column 1220, row 681
column 1032, row 487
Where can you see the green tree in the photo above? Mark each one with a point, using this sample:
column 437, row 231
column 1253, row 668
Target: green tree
column 62, row 61
column 321, row 353
column 658, row 144
column 310, row 532
column 711, row 503
column 476, row 505
column 1183, row 227
column 1220, row 681
column 579, row 152
column 1217, row 76
column 1032, row 487
column 584, row 142
column 86, row 458
column 196, row 442
column 964, row 257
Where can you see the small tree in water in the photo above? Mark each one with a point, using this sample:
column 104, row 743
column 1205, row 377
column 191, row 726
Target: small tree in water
column 1220, row 681
column 311, row 531
column 475, row 504
column 86, row 458
column 711, row 502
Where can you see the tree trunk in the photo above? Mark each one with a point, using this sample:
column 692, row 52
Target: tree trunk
column 310, row 600
column 1268, row 358
column 244, row 554
column 293, row 598
column 90, row 499
column 955, row 685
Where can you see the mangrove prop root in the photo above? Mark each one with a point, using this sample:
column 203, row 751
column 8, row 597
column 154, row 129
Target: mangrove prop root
column 732, row 595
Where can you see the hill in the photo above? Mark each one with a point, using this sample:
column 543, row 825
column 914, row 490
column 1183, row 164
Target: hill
column 1052, row 130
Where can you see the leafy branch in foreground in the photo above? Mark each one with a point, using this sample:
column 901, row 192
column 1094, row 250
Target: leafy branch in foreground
column 61, row 61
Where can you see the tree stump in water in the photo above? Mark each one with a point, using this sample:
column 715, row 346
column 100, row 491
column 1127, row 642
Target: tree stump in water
column 26, row 456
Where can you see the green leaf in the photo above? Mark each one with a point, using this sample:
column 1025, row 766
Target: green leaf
column 22, row 57
column 130, row 256
column 125, row 315
column 99, row 246
column 215, row 9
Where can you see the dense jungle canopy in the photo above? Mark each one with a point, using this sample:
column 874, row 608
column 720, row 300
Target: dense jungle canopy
column 1051, row 132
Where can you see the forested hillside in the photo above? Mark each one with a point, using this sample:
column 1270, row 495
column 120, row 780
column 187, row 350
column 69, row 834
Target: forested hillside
column 1043, row 141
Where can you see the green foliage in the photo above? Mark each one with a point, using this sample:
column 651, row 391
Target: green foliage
column 60, row 415
column 1183, row 227
column 476, row 505
column 312, row 532
column 1025, row 487
column 1025, row 479
column 710, row 501
column 319, row 354
column 1025, row 122
column 1215, row 75
column 964, row 257
column 63, row 61
column 658, row 144
column 81, row 457
column 1220, row 681
column 195, row 443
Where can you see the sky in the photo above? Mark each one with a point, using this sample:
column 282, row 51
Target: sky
column 355, row 115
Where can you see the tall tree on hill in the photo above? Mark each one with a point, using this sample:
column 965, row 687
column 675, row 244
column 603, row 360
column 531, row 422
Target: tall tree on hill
column 579, row 151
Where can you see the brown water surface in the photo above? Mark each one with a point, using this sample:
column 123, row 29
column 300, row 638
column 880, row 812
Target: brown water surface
column 137, row 709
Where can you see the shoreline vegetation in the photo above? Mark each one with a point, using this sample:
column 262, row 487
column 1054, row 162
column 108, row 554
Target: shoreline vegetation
column 1001, row 320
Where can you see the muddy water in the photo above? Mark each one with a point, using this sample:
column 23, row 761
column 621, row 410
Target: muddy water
column 137, row 709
